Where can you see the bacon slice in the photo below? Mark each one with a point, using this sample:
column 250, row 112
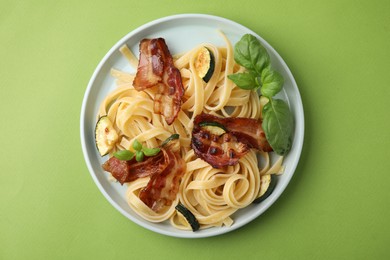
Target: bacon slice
column 127, row 171
column 156, row 69
column 218, row 151
column 163, row 187
column 241, row 135
column 165, row 170
column 247, row 130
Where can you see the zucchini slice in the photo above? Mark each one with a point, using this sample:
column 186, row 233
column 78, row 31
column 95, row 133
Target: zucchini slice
column 172, row 143
column 105, row 135
column 268, row 183
column 213, row 127
column 205, row 64
column 169, row 139
column 188, row 216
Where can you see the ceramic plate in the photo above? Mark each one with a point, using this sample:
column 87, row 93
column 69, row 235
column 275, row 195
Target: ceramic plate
column 182, row 33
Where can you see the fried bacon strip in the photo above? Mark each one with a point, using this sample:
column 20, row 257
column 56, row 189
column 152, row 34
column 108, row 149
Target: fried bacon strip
column 163, row 187
column 247, row 130
column 127, row 171
column 218, row 151
column 241, row 135
column 165, row 170
column 156, row 69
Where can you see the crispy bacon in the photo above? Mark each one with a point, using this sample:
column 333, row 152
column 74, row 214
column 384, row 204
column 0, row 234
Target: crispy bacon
column 218, row 151
column 165, row 170
column 247, row 130
column 163, row 187
column 156, row 69
column 127, row 171
column 241, row 135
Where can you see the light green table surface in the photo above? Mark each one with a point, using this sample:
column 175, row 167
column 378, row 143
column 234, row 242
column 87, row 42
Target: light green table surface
column 337, row 205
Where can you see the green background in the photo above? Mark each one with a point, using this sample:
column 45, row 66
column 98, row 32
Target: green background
column 335, row 207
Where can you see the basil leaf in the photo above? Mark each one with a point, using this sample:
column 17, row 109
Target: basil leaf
column 249, row 53
column 272, row 82
column 150, row 151
column 124, row 155
column 278, row 125
column 244, row 80
column 139, row 156
column 137, row 145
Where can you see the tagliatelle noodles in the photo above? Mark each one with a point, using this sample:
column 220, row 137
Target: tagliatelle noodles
column 212, row 195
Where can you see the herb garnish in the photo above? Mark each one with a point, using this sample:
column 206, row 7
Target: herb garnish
column 140, row 152
column 277, row 118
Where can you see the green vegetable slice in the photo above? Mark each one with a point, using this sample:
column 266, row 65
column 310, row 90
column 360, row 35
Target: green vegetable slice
column 188, row 216
column 205, row 64
column 213, row 127
column 269, row 181
column 172, row 137
column 105, row 135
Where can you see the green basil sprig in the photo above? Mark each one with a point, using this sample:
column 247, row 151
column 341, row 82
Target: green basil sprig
column 277, row 118
column 140, row 152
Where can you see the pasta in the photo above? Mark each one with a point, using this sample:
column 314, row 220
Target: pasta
column 212, row 195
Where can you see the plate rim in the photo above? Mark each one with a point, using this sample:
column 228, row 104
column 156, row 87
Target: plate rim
column 297, row 143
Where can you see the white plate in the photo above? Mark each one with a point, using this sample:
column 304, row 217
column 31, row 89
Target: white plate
column 182, row 33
